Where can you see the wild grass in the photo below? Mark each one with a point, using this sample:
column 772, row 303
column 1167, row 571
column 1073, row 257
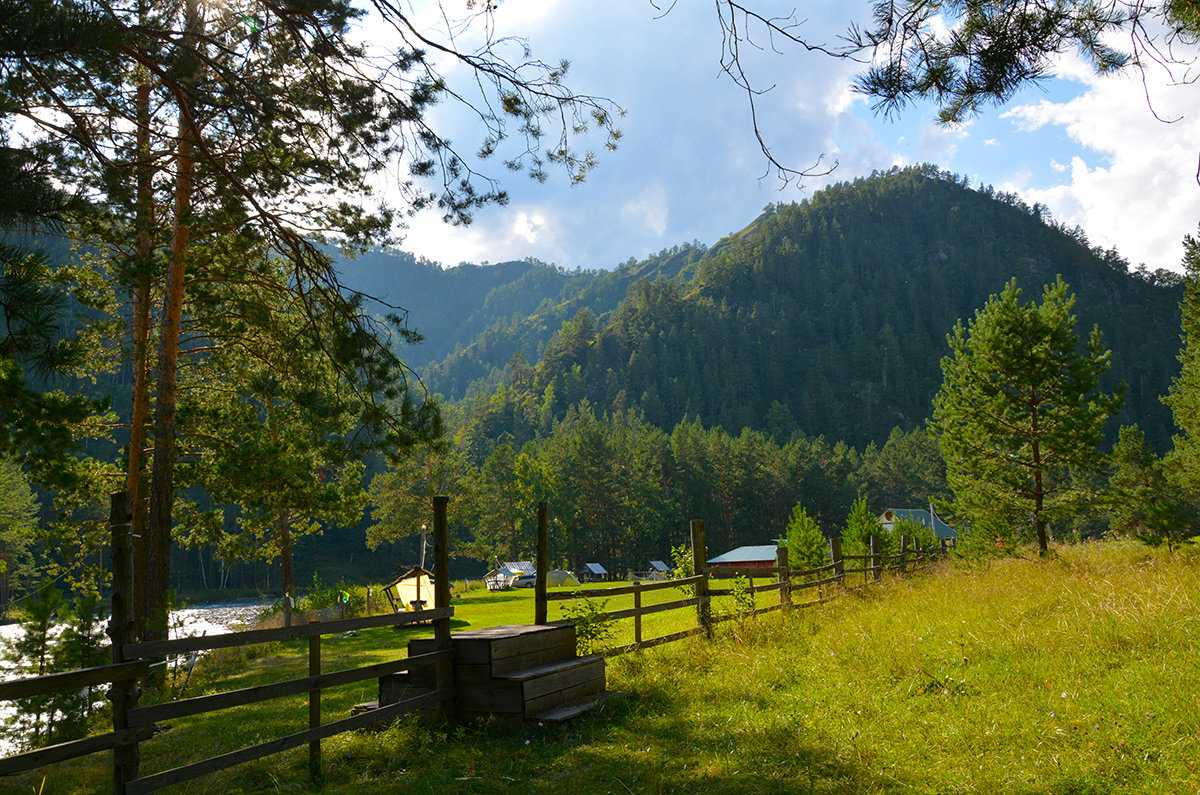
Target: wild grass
column 1078, row 674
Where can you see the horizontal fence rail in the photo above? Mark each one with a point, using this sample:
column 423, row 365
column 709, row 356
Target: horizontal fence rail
column 785, row 581
column 132, row 661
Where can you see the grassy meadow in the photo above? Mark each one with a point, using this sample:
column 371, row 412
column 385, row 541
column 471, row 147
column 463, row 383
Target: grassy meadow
column 1078, row 674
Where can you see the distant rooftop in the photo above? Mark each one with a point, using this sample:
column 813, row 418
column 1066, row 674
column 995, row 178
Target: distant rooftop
column 753, row 554
column 918, row 516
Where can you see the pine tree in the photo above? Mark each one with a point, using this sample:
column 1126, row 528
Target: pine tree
column 805, row 543
column 861, row 524
column 1019, row 407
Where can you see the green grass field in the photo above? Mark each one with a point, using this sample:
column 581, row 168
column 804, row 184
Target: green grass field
column 1079, row 674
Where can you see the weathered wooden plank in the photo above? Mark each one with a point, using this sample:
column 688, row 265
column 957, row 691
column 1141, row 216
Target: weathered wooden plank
column 141, row 716
column 40, row 757
column 587, row 669
column 215, row 764
column 498, row 697
column 646, row 644
column 624, row 589
column 73, row 680
column 543, row 703
column 797, row 586
column 547, row 669
column 630, row 612
column 164, row 648
column 562, row 649
column 479, row 646
column 549, row 636
column 810, row 572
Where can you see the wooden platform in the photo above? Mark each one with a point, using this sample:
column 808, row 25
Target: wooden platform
column 509, row 672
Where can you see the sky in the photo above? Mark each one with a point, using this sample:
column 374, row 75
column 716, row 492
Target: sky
column 1095, row 151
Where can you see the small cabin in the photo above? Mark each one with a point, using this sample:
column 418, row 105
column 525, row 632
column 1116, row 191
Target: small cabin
column 593, row 572
column 750, row 557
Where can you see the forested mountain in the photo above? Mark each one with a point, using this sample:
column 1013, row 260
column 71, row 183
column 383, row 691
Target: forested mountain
column 475, row 317
column 826, row 317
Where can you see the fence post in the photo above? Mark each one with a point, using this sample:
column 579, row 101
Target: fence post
column 784, row 576
column 314, row 707
column 127, row 757
column 637, row 617
column 876, row 559
column 903, row 554
column 918, row 554
column 700, row 566
column 441, row 598
column 543, row 558
column 839, row 563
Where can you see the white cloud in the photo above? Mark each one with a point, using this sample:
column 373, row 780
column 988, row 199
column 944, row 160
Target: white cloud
column 526, row 226
column 1134, row 187
column 648, row 210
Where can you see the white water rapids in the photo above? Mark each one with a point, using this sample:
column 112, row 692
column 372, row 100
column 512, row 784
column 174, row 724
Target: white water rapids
column 211, row 619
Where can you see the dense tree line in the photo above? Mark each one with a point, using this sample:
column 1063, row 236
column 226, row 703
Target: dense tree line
column 621, row 491
column 828, row 317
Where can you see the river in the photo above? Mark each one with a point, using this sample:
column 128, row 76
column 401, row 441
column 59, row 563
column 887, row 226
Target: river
column 210, row 619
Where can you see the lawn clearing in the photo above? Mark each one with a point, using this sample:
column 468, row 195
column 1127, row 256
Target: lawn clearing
column 1073, row 675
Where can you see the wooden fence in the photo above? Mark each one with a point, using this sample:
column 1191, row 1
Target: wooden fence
column 786, row 581
column 132, row 661
column 133, row 724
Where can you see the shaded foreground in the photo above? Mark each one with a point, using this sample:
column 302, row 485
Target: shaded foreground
column 1073, row 675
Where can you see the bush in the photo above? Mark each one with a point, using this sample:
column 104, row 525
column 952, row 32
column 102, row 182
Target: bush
column 593, row 630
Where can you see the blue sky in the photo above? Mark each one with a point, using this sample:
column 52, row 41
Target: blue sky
column 688, row 167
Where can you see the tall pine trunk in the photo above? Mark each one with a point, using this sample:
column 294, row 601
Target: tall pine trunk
column 162, row 487
column 141, row 297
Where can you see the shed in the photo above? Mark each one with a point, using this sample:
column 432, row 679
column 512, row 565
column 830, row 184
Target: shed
column 891, row 516
column 412, row 590
column 751, row 557
column 594, row 572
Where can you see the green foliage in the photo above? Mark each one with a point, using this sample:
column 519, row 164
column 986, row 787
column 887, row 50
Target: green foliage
column 913, row 530
column 964, row 55
column 18, row 519
column 826, row 318
column 861, row 524
column 806, row 544
column 322, row 596
column 593, row 630
column 1142, row 500
column 1021, row 407
column 743, row 597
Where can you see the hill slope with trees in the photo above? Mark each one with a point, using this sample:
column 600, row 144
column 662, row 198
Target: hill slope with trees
column 829, row 317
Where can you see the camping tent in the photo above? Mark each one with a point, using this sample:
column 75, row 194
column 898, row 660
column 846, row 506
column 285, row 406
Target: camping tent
column 558, row 578
column 412, row 590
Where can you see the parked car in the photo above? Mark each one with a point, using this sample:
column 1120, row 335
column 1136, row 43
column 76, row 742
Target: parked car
column 525, row 581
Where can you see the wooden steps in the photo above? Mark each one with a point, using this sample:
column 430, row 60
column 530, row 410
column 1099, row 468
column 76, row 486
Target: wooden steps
column 509, row 672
